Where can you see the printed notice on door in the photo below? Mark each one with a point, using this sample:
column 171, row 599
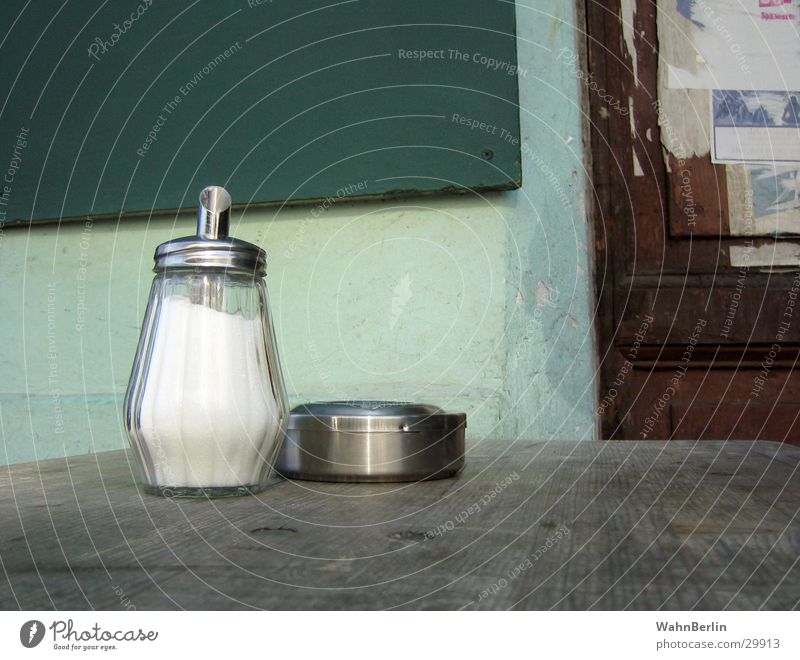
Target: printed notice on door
column 733, row 44
column 755, row 127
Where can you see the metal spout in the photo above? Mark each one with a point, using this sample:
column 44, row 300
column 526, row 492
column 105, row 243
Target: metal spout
column 214, row 213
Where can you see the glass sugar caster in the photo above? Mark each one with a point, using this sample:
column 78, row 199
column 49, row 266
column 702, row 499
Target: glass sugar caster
column 206, row 408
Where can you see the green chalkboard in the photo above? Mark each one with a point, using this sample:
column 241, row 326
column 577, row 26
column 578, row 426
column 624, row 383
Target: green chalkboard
column 118, row 108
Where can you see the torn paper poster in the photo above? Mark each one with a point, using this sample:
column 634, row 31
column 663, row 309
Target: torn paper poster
column 763, row 200
column 684, row 115
column 734, row 44
column 755, row 127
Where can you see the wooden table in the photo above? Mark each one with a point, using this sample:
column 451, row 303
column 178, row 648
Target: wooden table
column 609, row 525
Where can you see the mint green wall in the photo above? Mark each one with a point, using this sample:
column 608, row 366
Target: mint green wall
column 475, row 304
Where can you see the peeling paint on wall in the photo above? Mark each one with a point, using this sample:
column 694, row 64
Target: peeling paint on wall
column 637, row 165
column 543, row 294
column 627, row 15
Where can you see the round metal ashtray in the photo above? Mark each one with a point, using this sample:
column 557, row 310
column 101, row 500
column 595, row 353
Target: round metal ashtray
column 373, row 441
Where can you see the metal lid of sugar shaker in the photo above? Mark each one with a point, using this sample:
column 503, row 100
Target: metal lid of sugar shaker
column 362, row 416
column 212, row 247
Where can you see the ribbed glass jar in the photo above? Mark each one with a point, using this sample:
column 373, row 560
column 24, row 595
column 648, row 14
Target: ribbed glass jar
column 206, row 408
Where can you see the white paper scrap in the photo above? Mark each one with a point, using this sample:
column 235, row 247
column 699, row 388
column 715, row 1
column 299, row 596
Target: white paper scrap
column 772, row 255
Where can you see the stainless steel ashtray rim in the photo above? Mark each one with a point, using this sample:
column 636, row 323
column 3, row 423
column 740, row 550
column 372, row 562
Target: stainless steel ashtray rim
column 371, row 441
column 362, row 416
column 393, row 424
column 359, row 438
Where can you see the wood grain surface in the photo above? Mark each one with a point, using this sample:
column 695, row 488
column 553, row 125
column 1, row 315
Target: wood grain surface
column 527, row 525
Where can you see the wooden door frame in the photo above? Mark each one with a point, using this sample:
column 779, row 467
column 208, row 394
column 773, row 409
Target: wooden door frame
column 629, row 277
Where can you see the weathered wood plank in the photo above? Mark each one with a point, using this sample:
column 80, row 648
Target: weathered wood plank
column 607, row 525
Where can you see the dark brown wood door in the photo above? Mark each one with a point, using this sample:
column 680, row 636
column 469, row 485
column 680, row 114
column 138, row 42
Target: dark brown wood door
column 697, row 339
